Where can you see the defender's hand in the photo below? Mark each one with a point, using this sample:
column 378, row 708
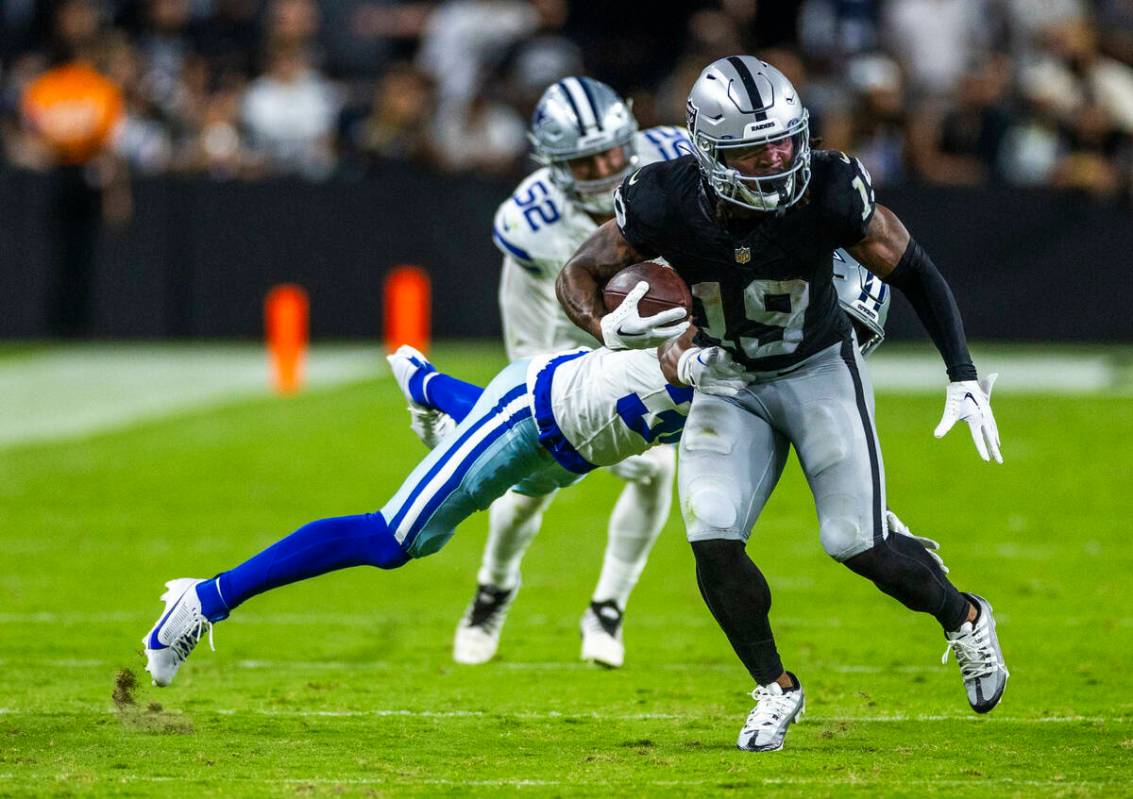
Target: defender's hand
column 712, row 371
column 897, row 526
column 625, row 329
column 635, row 469
column 971, row 401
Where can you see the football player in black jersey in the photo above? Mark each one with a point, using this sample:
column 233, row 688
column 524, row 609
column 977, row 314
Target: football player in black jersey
column 750, row 220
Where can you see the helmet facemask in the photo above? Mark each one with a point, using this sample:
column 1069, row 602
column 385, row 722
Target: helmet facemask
column 579, row 118
column 595, row 196
column 725, row 163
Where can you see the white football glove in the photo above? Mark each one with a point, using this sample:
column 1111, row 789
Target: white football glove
column 635, row 469
column 712, row 371
column 971, row 401
column 625, row 329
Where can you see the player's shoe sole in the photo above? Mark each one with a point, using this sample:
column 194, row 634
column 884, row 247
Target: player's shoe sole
column 429, row 424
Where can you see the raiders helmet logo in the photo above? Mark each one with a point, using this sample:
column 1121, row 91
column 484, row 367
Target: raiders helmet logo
column 743, row 255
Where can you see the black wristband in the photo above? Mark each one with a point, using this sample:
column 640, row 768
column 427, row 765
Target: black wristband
column 928, row 292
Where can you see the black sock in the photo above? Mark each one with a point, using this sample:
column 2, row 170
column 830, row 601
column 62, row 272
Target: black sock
column 901, row 567
column 740, row 599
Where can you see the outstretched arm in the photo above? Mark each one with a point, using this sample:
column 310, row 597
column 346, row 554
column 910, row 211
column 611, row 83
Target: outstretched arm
column 891, row 253
column 579, row 284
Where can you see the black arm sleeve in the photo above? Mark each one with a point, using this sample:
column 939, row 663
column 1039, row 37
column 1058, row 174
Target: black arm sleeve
column 921, row 282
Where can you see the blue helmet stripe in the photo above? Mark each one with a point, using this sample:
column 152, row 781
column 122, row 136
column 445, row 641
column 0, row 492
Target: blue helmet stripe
column 573, row 106
column 590, row 99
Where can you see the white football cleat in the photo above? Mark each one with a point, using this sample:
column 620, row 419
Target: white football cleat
column 430, row 424
column 980, row 659
column 478, row 634
column 177, row 632
column 775, row 710
column 602, row 635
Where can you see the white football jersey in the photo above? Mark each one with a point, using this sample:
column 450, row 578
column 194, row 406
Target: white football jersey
column 610, row 404
column 538, row 229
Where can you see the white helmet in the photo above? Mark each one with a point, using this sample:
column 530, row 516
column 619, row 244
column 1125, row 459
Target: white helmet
column 865, row 297
column 739, row 103
column 575, row 118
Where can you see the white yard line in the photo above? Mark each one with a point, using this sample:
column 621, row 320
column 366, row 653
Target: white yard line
column 65, row 393
column 552, row 715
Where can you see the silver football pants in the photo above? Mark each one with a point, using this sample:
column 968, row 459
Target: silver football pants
column 733, row 451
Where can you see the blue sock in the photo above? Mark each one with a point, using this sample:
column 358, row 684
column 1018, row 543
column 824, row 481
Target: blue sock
column 417, row 381
column 316, row 548
column 445, row 393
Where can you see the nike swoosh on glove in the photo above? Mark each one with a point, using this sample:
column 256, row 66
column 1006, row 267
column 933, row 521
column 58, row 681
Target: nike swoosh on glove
column 625, row 329
column 971, row 401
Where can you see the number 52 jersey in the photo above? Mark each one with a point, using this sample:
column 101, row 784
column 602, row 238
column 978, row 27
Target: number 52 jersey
column 538, row 229
column 762, row 285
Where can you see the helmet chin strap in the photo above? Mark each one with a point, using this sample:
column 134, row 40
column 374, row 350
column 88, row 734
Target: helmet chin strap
column 775, row 201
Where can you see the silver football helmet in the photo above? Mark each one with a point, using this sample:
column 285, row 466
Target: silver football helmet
column 740, row 108
column 576, row 118
column 865, row 297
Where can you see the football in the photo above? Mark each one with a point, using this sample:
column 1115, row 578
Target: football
column 666, row 288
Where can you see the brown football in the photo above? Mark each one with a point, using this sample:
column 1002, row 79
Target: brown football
column 666, row 288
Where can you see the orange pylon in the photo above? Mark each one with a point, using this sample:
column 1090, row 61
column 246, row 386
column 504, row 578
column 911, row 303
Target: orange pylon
column 286, row 326
column 407, row 308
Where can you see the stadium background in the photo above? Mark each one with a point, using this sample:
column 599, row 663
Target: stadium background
column 220, row 147
column 326, row 142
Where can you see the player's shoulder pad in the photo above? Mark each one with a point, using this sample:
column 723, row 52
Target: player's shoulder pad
column 842, row 182
column 646, row 198
column 662, row 143
column 525, row 223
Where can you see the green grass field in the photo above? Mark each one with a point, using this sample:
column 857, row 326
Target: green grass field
column 344, row 685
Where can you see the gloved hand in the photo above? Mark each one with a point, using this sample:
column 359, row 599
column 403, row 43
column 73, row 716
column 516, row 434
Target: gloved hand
column 625, row 329
column 712, row 371
column 897, row 526
column 971, row 401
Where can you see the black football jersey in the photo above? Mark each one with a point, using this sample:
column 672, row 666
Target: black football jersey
column 762, row 286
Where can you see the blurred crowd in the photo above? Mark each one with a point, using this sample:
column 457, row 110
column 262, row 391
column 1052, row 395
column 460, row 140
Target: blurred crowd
column 1027, row 92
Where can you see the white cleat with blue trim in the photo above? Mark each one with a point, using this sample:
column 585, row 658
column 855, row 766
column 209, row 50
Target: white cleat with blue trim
column 177, row 632
column 429, row 424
